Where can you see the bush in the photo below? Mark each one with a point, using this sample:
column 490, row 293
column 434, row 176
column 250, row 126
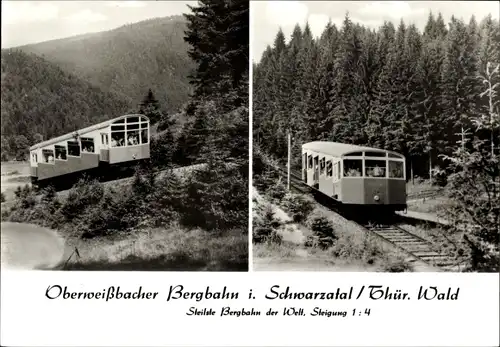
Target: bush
column 265, row 228
column 298, row 206
column 398, row 265
column 85, row 193
column 277, row 191
column 3, row 197
column 311, row 241
column 322, row 229
column 216, row 198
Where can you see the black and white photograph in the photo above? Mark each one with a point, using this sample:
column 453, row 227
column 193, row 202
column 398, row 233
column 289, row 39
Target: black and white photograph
column 125, row 135
column 375, row 136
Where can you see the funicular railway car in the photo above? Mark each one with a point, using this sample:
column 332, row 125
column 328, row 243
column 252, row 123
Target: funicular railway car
column 356, row 176
column 106, row 150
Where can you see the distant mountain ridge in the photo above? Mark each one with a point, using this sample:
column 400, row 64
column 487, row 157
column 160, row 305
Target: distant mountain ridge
column 57, row 86
column 39, row 98
column 128, row 60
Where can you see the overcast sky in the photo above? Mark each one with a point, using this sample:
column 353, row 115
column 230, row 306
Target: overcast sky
column 268, row 16
column 26, row 22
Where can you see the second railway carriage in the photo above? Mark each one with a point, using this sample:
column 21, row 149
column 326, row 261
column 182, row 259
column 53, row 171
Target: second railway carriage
column 102, row 149
column 356, row 175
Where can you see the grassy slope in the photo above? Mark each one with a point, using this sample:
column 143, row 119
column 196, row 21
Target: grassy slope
column 359, row 251
column 172, row 248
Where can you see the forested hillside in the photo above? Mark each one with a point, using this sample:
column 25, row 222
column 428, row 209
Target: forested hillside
column 395, row 88
column 129, row 60
column 40, row 101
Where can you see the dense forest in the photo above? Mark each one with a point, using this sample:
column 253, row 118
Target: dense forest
column 40, row 101
column 129, row 60
column 394, row 88
column 55, row 87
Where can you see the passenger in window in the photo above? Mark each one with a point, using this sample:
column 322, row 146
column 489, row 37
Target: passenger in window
column 396, row 172
column 353, row 173
column 50, row 158
column 377, row 171
column 113, row 142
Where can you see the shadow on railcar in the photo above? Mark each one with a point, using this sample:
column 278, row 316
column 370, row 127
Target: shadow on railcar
column 106, row 151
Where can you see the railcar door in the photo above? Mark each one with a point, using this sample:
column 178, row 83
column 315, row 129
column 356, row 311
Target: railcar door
column 316, row 171
column 304, row 167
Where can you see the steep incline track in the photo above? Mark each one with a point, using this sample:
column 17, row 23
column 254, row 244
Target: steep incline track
column 402, row 239
column 411, row 244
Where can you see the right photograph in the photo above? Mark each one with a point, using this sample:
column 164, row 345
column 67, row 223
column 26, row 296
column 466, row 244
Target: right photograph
column 376, row 136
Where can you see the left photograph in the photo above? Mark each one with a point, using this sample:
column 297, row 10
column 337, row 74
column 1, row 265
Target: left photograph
column 125, row 135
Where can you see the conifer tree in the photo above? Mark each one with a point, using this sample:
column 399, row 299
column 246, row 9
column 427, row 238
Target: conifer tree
column 474, row 188
column 150, row 108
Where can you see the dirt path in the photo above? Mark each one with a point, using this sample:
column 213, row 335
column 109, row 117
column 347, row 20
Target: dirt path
column 28, row 247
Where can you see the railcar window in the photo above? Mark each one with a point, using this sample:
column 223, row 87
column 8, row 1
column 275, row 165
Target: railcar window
column 395, row 169
column 375, row 154
column 132, row 137
column 310, row 162
column 144, row 136
column 355, row 154
column 322, row 166
column 132, row 126
column 61, row 153
column 143, row 119
column 144, row 125
column 329, row 169
column 395, row 156
column 118, row 139
column 316, row 160
column 119, row 121
column 375, row 168
column 73, row 148
column 104, row 139
column 133, row 120
column 87, row 144
column 304, row 161
column 48, row 156
column 118, row 128
column 353, row 167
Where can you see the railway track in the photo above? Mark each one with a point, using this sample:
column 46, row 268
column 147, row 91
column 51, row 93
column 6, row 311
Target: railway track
column 391, row 233
column 411, row 244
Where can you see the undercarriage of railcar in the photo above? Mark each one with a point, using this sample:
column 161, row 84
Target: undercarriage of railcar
column 371, row 211
column 104, row 173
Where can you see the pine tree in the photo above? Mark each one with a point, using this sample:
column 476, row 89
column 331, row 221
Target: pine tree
column 346, row 101
column 460, row 85
column 150, row 108
column 474, row 189
column 328, row 45
column 218, row 35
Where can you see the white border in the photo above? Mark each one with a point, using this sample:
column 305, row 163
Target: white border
column 250, row 138
column 28, row 318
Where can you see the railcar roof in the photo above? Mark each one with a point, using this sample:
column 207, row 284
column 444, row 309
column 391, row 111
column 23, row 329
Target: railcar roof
column 83, row 131
column 338, row 149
